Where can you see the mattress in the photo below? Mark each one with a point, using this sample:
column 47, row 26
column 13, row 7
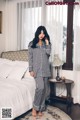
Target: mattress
column 17, row 95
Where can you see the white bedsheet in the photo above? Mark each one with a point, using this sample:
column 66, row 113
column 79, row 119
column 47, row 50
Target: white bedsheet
column 17, row 95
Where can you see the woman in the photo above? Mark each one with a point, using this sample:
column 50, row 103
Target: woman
column 39, row 68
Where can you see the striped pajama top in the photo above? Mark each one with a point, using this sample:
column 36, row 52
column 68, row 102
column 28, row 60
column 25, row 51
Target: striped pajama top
column 39, row 59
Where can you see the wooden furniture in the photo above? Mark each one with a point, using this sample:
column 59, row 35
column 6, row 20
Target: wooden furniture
column 68, row 100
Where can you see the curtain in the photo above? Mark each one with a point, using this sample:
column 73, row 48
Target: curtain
column 30, row 14
column 56, row 23
column 33, row 13
column 76, row 54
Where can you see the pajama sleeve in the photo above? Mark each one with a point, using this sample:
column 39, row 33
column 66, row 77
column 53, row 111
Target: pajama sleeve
column 48, row 49
column 30, row 56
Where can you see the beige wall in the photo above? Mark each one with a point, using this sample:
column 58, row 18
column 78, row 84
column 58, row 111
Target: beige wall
column 8, row 38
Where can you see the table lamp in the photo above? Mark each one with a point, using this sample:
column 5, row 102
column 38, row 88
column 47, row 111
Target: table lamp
column 57, row 63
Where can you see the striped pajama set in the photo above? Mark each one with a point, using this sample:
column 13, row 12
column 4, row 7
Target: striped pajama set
column 39, row 64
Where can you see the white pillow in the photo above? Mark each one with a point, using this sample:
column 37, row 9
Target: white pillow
column 2, row 61
column 17, row 72
column 5, row 60
column 5, row 69
column 22, row 63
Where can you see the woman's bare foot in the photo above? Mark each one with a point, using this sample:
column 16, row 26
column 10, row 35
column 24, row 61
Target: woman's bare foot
column 40, row 113
column 34, row 112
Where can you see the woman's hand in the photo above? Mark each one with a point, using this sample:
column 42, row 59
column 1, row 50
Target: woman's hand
column 32, row 74
column 47, row 42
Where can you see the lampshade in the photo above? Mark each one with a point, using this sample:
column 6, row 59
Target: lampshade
column 57, row 61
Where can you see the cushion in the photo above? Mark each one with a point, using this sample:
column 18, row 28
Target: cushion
column 5, row 69
column 22, row 63
column 10, row 62
column 12, row 69
column 17, row 72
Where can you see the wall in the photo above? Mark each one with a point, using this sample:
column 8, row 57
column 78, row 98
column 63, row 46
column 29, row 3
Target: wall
column 11, row 26
column 72, row 75
column 8, row 37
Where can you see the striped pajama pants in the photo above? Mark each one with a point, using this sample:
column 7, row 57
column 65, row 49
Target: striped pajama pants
column 42, row 93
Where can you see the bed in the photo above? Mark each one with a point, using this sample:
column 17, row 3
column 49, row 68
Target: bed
column 17, row 87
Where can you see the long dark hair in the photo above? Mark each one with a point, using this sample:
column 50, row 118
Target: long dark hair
column 36, row 38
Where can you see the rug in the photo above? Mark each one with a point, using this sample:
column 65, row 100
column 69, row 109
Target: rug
column 51, row 113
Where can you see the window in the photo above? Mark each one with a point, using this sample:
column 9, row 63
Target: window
column 35, row 13
column 29, row 21
column 68, row 65
column 56, row 19
column 64, row 42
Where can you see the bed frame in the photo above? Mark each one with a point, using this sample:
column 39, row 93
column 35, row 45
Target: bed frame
column 21, row 55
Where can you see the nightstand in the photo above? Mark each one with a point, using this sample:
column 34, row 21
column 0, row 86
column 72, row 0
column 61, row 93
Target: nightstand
column 68, row 100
